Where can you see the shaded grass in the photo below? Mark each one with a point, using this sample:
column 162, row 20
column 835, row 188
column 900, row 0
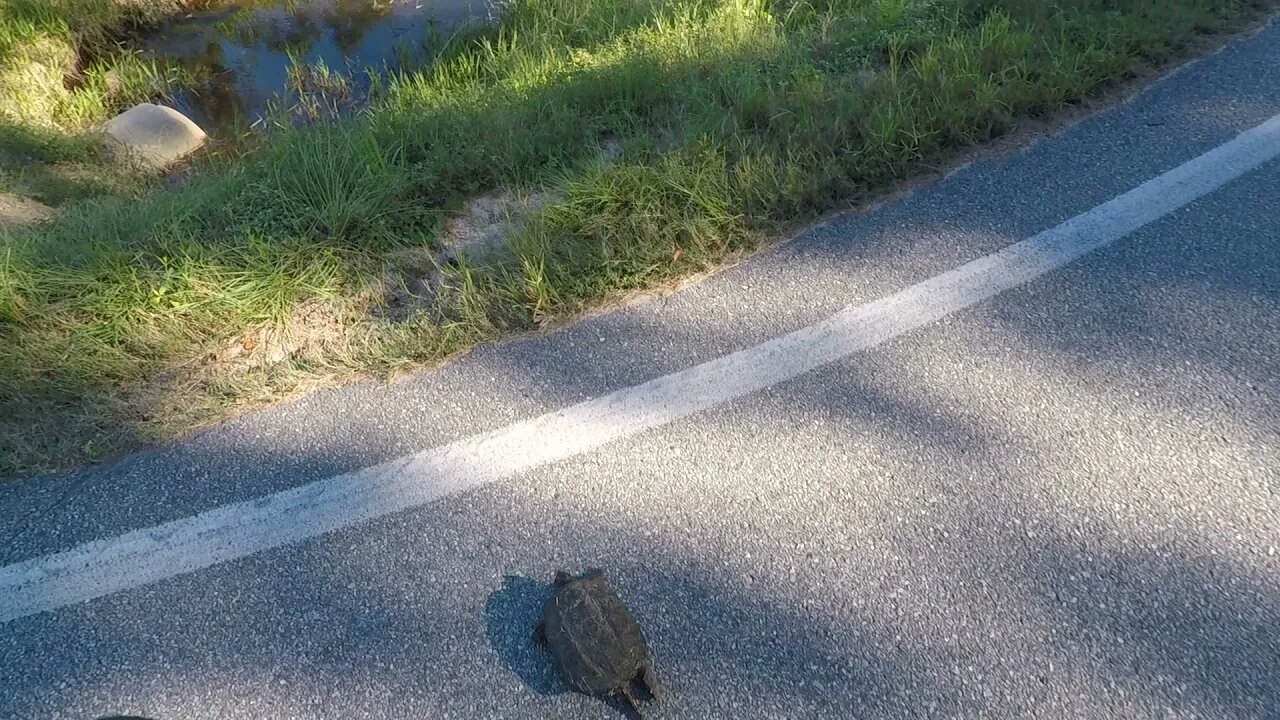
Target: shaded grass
column 733, row 119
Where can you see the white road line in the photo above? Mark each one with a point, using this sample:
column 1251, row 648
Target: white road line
column 233, row 531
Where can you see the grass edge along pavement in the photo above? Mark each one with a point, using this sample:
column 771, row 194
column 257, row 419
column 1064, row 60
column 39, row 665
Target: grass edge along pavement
column 648, row 141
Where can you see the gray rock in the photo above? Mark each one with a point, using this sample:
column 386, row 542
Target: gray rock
column 153, row 136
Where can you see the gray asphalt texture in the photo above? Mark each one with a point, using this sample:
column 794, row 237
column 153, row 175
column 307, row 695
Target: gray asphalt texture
column 1061, row 503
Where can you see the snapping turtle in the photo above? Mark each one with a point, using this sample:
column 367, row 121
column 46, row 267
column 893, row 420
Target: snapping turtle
column 597, row 645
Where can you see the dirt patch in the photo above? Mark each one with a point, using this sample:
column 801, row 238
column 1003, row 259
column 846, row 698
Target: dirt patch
column 478, row 236
column 17, row 213
column 412, row 282
column 261, row 358
column 312, row 327
column 611, row 150
column 271, row 363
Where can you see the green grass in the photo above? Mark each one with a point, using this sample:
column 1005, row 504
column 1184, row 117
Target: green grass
column 735, row 120
column 61, row 72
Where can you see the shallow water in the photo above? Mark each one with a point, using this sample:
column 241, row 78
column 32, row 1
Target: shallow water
column 306, row 58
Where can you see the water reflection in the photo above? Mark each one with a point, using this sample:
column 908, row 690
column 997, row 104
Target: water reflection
column 246, row 56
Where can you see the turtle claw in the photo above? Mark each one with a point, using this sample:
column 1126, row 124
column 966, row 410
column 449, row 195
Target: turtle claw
column 629, row 699
column 649, row 680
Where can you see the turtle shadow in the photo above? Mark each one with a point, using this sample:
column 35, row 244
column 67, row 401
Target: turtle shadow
column 511, row 614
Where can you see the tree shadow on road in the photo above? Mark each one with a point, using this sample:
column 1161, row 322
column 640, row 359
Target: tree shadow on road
column 861, row 625
column 950, row 578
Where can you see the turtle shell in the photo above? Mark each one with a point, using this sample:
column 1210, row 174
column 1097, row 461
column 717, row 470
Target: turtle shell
column 597, row 644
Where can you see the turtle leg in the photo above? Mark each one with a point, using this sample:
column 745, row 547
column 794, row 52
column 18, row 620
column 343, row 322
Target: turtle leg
column 649, row 679
column 625, row 694
column 540, row 635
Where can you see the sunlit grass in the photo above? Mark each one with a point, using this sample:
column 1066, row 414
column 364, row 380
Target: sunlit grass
column 732, row 121
column 62, row 72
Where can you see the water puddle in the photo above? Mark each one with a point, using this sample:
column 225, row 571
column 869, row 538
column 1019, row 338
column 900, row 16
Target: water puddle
column 310, row 58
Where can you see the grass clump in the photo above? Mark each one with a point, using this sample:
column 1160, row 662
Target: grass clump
column 62, row 71
column 662, row 136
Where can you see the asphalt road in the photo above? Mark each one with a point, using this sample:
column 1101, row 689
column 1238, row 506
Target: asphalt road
column 1062, row 502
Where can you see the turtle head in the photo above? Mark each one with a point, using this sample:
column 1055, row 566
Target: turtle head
column 563, row 578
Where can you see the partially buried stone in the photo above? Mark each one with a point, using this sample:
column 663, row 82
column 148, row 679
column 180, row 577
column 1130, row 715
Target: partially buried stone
column 153, row 136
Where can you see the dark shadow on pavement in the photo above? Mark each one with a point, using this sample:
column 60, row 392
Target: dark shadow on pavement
column 511, row 614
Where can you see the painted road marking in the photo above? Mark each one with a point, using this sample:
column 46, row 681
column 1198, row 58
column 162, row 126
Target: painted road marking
column 228, row 532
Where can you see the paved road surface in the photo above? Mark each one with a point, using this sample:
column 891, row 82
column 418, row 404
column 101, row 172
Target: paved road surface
column 1060, row 502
